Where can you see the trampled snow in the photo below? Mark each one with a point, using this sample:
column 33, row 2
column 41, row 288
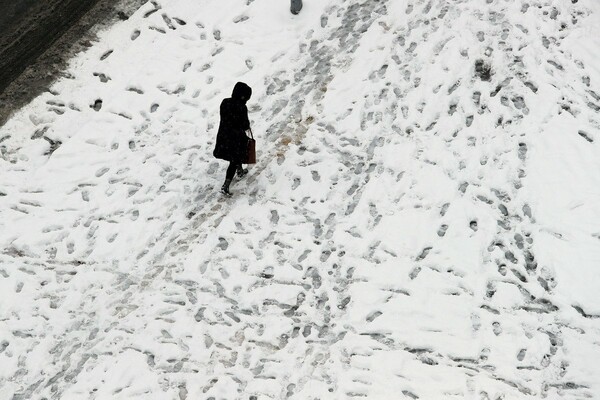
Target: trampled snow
column 413, row 229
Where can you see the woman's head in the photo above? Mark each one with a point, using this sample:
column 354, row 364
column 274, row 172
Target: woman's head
column 242, row 92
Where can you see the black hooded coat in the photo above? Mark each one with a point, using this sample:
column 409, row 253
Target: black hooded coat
column 232, row 142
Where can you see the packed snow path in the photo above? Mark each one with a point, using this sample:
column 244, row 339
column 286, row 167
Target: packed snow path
column 414, row 228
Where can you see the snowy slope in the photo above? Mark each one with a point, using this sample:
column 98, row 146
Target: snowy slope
column 410, row 231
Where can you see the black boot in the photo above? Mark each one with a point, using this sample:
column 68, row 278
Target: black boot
column 241, row 171
column 225, row 187
column 296, row 6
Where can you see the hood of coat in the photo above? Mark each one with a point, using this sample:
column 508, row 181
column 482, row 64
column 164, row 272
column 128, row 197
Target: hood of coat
column 241, row 92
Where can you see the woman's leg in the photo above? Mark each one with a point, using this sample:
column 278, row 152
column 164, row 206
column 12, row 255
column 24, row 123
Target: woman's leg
column 241, row 171
column 228, row 177
column 233, row 166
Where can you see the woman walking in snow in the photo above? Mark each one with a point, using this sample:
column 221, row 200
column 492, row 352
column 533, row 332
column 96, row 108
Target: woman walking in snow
column 232, row 141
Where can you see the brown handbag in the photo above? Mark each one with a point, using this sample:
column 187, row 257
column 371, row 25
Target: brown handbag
column 251, row 150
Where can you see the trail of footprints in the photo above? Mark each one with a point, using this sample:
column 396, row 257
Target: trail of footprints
column 315, row 296
column 512, row 250
column 171, row 23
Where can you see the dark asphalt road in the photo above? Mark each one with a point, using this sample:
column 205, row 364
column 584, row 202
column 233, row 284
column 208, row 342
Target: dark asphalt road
column 12, row 10
column 29, row 27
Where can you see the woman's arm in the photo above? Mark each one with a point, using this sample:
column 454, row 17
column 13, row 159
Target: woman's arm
column 244, row 121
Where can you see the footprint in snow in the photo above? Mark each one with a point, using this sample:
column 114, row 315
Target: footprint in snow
column 522, row 151
column 168, row 21
column 157, row 29
column 102, row 171
column 296, row 183
column 103, row 78
column 442, row 230
column 324, row 19
column 97, row 106
column 274, row 217
column 213, row 167
column 373, row 315
column 149, row 13
column 533, row 87
column 106, row 54
column 586, row 136
column 424, row 253
column 454, row 86
column 496, row 328
column 473, row 225
column 134, row 89
column 223, row 244
column 240, row 18
column 414, row 273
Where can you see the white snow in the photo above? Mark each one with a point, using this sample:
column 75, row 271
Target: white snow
column 410, row 230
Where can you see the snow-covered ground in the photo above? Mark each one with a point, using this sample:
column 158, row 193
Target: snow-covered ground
column 411, row 230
